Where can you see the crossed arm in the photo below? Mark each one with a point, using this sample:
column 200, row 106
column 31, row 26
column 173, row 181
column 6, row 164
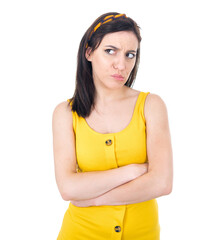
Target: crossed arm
column 157, row 181
column 144, row 188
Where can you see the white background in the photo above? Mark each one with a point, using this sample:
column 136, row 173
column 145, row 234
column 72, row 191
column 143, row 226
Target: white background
column 38, row 47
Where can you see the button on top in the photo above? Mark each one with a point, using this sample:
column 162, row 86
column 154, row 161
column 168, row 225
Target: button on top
column 117, row 228
column 108, row 142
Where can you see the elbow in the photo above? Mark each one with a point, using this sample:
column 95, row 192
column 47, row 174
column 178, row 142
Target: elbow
column 167, row 188
column 163, row 184
column 66, row 189
column 66, row 194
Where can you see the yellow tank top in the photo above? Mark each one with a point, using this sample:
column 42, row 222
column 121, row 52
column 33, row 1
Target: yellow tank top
column 97, row 152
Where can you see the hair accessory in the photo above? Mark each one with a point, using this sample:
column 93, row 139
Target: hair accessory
column 108, row 18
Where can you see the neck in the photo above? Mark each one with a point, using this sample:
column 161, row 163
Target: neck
column 106, row 96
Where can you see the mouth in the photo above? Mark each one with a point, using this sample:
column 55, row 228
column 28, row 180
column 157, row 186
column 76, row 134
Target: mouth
column 118, row 77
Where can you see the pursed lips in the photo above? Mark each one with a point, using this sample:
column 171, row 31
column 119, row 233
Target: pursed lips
column 117, row 76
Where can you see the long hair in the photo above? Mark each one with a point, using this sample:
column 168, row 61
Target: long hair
column 84, row 95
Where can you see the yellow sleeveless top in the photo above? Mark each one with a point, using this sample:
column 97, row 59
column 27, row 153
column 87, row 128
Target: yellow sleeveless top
column 97, row 152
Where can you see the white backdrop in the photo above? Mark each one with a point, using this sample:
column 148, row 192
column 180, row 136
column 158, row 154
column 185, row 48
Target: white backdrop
column 38, row 47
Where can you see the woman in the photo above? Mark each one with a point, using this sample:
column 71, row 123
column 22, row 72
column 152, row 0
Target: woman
column 112, row 146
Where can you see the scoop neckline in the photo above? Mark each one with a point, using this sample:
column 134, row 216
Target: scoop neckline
column 123, row 130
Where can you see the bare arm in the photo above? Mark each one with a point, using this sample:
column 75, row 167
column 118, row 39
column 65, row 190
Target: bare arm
column 158, row 180
column 142, row 189
column 138, row 190
column 85, row 185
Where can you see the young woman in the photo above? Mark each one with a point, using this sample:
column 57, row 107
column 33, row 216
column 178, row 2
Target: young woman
column 112, row 145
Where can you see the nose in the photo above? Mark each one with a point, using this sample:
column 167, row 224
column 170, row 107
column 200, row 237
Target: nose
column 120, row 62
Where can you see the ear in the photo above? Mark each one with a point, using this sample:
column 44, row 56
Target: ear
column 88, row 54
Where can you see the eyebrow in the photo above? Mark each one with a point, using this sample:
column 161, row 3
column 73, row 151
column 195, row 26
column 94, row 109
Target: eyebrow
column 111, row 46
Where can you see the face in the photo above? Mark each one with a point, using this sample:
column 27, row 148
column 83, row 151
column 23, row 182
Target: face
column 114, row 59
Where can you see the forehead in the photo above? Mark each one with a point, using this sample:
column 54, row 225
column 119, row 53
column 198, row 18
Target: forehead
column 121, row 39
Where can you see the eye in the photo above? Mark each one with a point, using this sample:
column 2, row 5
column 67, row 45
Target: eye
column 110, row 51
column 130, row 55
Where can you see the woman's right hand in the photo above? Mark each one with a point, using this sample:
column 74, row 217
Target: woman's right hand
column 138, row 170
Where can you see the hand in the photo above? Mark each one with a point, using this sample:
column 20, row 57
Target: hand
column 84, row 203
column 140, row 169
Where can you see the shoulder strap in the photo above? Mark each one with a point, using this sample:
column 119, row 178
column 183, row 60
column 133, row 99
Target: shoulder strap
column 142, row 104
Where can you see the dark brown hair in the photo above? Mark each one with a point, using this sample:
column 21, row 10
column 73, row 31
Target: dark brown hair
column 84, row 95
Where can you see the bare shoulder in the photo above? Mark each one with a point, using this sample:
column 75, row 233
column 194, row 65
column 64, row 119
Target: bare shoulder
column 154, row 108
column 62, row 112
column 62, row 107
column 62, row 120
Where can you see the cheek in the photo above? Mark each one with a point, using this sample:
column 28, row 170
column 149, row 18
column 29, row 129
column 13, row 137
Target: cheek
column 100, row 64
column 130, row 67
